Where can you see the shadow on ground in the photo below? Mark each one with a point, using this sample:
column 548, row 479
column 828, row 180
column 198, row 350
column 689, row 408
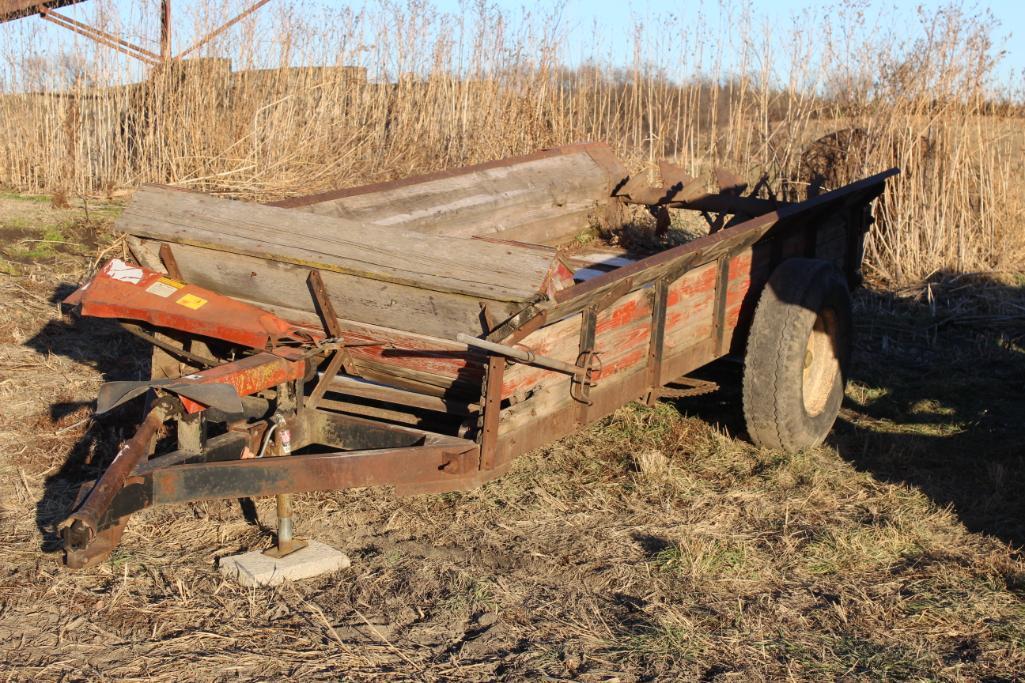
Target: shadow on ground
column 936, row 398
column 116, row 355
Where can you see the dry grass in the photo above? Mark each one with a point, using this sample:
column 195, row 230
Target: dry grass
column 651, row 546
column 446, row 90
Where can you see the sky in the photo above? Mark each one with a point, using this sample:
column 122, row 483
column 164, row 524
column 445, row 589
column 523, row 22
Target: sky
column 579, row 19
column 580, row 15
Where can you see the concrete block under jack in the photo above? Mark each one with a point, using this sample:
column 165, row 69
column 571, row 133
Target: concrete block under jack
column 256, row 569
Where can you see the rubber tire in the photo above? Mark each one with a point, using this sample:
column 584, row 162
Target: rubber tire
column 774, row 405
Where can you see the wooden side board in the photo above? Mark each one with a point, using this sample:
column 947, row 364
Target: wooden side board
column 266, row 282
column 542, row 198
column 623, row 330
column 624, row 333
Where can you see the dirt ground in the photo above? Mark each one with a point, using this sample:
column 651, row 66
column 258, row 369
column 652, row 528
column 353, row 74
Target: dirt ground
column 656, row 545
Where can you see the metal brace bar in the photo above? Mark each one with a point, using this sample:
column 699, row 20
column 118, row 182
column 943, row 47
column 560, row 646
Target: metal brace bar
column 100, row 36
column 491, row 404
column 170, row 263
column 325, row 309
column 656, row 345
column 586, row 351
column 722, row 283
column 333, row 366
column 328, row 317
column 522, row 355
column 221, row 29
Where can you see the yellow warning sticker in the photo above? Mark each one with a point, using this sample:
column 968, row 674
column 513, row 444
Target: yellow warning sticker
column 192, row 301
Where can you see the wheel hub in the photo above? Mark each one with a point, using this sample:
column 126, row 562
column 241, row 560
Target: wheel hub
column 821, row 365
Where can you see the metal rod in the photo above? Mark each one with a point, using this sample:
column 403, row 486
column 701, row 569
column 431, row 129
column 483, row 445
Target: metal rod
column 100, row 36
column 523, row 355
column 170, row 262
column 224, row 27
column 167, row 346
column 287, row 542
column 284, row 522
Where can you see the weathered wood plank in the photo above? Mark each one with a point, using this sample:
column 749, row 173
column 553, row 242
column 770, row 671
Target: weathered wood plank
column 542, row 197
column 476, row 268
column 478, row 203
column 379, row 392
column 265, row 282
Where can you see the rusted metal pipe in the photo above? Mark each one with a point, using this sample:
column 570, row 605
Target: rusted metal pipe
column 82, row 525
column 523, row 355
column 221, row 29
column 100, row 36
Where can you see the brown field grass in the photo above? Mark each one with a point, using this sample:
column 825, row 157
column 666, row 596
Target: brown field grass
column 654, row 545
column 439, row 90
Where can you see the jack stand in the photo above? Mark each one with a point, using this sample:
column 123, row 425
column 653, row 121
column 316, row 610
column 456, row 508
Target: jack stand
column 291, row 559
column 286, row 544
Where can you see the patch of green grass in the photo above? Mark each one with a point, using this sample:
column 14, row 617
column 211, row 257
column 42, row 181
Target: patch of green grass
column 845, row 549
column 663, row 641
column 638, row 423
column 842, row 655
column 712, row 559
column 1009, row 630
column 860, row 655
column 669, row 559
column 120, row 557
column 104, row 212
column 34, row 198
column 482, row 595
column 37, row 248
column 586, row 236
column 39, row 241
column 19, row 223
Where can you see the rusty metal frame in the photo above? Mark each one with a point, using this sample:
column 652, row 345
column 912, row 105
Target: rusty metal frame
column 100, row 36
column 586, row 356
column 340, row 358
column 370, row 453
column 17, row 9
column 678, row 260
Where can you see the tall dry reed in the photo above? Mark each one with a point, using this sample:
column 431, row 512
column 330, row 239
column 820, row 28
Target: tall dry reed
column 306, row 98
